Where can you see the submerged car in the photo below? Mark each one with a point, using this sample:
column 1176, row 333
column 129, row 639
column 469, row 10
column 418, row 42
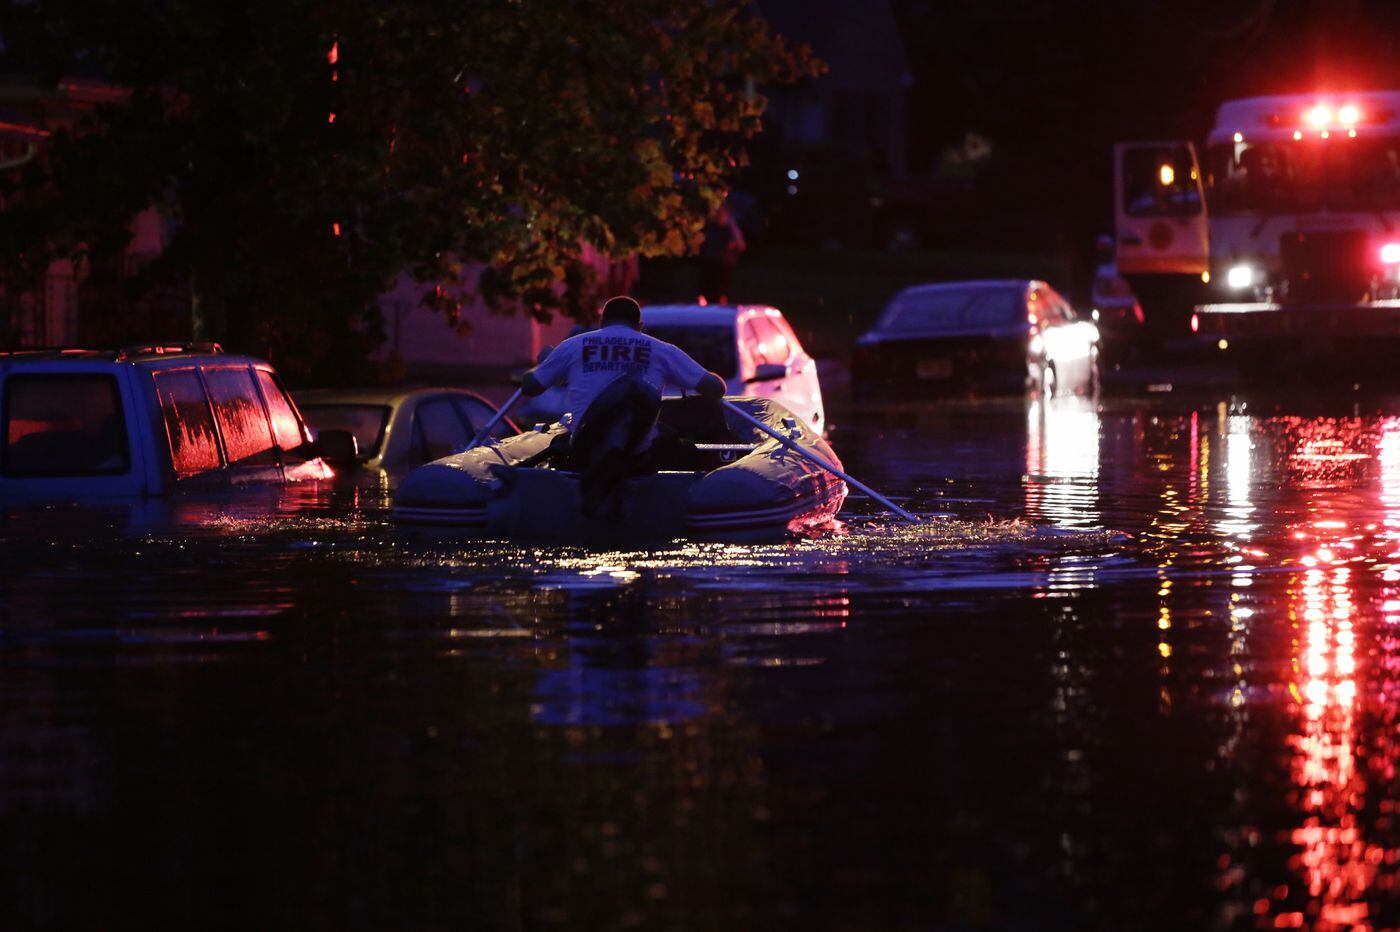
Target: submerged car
column 398, row 429
column 982, row 336
column 751, row 346
column 83, row 425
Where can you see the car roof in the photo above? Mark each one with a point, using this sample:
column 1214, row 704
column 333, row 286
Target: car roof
column 697, row 315
column 376, row 396
column 149, row 356
column 987, row 283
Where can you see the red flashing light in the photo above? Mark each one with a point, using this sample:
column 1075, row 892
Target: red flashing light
column 1195, row 323
column 335, row 228
column 1390, row 253
column 333, row 55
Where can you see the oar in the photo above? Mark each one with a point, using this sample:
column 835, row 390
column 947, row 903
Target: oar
column 811, row 457
column 491, row 424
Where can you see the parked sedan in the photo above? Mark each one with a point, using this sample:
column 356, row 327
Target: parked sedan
column 396, row 429
column 981, row 335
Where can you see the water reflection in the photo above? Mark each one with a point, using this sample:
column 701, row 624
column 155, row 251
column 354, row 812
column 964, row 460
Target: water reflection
column 1062, row 462
column 1322, row 484
column 997, row 719
column 1235, row 517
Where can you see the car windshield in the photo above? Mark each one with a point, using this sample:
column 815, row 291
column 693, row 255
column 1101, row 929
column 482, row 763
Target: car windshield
column 955, row 310
column 1343, row 174
column 365, row 421
column 711, row 345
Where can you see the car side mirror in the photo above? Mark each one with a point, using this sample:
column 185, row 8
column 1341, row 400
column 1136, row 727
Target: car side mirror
column 337, row 447
column 767, row 372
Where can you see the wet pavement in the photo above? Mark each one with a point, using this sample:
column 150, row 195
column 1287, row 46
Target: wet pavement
column 1140, row 671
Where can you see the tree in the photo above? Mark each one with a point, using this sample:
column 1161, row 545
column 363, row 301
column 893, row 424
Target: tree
column 310, row 151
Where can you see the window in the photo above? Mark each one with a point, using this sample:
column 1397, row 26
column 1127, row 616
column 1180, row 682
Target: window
column 767, row 344
column 1160, row 182
column 286, row 426
column 477, row 414
column 711, row 345
column 1342, row 174
column 438, row 431
column 64, row 425
column 784, row 328
column 242, row 419
column 366, row 422
column 955, row 310
column 194, row 445
column 1050, row 307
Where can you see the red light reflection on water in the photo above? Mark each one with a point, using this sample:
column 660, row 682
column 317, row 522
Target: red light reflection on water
column 1336, row 864
column 1334, row 483
column 1336, row 748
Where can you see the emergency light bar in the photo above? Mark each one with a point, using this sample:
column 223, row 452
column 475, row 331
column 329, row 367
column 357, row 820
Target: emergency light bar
column 1324, row 116
column 1321, row 116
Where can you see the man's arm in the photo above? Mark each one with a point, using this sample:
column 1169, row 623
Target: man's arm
column 687, row 374
column 710, row 387
column 549, row 370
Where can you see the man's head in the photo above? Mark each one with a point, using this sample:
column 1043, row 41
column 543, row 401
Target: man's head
column 622, row 310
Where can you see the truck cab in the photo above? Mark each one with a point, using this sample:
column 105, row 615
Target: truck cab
column 1291, row 207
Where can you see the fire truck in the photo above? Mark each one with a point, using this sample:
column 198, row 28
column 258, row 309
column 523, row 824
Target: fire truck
column 1279, row 241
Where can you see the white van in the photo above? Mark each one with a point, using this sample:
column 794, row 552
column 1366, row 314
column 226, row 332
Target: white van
column 751, row 346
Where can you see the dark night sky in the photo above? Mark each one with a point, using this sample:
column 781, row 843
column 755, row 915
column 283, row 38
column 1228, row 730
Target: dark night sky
column 1118, row 68
column 1055, row 84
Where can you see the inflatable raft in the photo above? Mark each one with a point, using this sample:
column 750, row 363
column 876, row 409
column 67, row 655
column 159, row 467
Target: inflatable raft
column 720, row 478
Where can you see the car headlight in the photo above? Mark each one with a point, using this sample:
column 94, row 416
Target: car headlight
column 1240, row 276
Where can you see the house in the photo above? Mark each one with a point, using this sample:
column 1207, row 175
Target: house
column 51, row 313
column 73, row 306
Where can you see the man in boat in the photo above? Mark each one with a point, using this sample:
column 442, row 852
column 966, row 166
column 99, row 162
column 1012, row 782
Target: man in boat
column 615, row 377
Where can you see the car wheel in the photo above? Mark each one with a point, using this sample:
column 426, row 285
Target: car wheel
column 1049, row 383
column 1095, row 384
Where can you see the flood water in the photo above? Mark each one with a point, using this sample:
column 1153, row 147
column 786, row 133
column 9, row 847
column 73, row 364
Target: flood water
column 1141, row 670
